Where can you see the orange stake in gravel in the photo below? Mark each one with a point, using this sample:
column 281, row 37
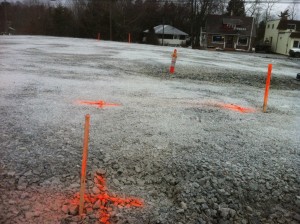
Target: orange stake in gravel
column 84, row 161
column 174, row 57
column 267, row 88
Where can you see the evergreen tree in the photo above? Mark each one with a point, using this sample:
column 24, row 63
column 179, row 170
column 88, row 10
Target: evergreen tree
column 236, row 8
column 260, row 31
column 151, row 37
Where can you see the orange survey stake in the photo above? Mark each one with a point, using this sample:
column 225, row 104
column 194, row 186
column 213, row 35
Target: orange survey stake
column 174, row 57
column 84, row 161
column 268, row 81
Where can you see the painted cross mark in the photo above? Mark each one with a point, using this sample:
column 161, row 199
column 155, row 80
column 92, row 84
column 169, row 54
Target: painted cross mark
column 235, row 108
column 99, row 103
column 227, row 106
column 106, row 201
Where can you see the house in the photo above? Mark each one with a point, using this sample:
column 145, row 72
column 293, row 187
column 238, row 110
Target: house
column 169, row 35
column 283, row 35
column 229, row 32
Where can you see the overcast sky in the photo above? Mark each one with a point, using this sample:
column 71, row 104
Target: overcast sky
column 279, row 7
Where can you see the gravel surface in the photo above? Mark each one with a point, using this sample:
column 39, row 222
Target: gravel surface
column 172, row 143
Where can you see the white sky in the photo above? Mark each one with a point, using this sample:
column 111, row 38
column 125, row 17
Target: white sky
column 279, row 7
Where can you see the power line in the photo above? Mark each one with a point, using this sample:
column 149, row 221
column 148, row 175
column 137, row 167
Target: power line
column 188, row 1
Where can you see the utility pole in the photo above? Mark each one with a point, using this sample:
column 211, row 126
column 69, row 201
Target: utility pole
column 5, row 18
column 192, row 23
column 163, row 35
column 110, row 25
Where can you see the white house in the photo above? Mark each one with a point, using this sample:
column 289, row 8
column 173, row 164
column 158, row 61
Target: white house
column 169, row 35
column 283, row 35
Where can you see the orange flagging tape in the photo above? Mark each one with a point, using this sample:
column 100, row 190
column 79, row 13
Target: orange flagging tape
column 106, row 200
column 99, row 103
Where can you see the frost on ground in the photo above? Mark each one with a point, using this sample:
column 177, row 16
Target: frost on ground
column 174, row 142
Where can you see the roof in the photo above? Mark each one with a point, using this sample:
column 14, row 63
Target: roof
column 167, row 29
column 232, row 21
column 230, row 25
column 295, row 35
column 283, row 24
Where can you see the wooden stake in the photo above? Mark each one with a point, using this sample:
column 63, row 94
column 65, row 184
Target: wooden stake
column 129, row 38
column 267, row 88
column 98, row 36
column 84, row 161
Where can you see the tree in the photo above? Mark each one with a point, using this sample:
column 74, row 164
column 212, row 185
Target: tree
column 293, row 10
column 269, row 7
column 236, row 8
column 151, row 37
column 63, row 21
column 260, row 31
column 199, row 11
column 284, row 15
column 253, row 7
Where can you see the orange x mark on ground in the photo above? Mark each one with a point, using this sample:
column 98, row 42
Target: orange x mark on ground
column 235, row 107
column 107, row 201
column 99, row 103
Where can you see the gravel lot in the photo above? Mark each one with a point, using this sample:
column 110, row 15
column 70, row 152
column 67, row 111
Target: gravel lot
column 172, row 143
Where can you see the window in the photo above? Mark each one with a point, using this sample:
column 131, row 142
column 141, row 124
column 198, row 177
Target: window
column 291, row 26
column 296, row 44
column 268, row 25
column 218, row 39
column 243, row 41
column 167, row 36
column 271, row 39
column 272, row 26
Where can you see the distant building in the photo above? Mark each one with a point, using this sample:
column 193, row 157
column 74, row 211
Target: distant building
column 169, row 35
column 229, row 32
column 283, row 35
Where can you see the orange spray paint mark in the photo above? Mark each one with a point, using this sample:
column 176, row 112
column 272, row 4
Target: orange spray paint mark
column 237, row 108
column 106, row 201
column 267, row 88
column 99, row 103
column 233, row 107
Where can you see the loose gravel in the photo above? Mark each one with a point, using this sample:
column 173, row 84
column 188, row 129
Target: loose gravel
column 167, row 144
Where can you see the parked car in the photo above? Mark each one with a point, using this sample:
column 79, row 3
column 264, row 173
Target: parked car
column 263, row 47
column 294, row 52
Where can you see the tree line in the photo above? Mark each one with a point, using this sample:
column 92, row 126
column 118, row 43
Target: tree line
column 114, row 19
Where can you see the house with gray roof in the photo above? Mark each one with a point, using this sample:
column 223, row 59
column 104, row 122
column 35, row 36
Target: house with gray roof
column 169, row 35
